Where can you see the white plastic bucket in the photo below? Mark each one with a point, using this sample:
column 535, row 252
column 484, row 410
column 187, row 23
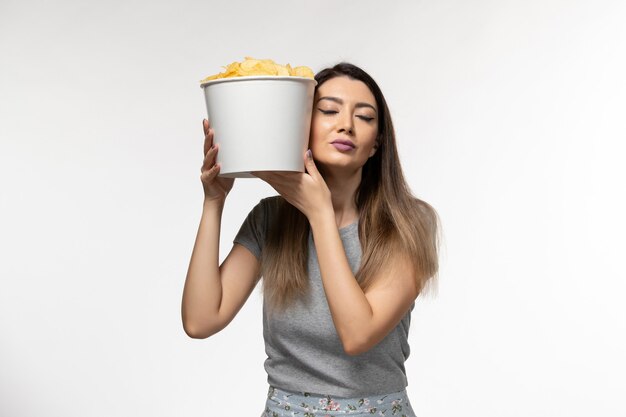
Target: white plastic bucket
column 262, row 123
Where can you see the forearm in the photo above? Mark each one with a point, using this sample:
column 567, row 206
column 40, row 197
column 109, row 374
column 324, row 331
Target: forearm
column 203, row 288
column 350, row 309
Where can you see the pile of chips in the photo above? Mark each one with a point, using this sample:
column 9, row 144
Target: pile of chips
column 253, row 66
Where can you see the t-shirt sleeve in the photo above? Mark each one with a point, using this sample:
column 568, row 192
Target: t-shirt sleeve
column 252, row 231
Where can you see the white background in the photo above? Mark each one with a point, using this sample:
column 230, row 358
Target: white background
column 510, row 122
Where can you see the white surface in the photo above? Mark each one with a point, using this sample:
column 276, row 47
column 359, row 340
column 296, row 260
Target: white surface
column 260, row 123
column 510, row 121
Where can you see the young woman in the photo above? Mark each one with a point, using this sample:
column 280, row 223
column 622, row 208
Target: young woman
column 344, row 251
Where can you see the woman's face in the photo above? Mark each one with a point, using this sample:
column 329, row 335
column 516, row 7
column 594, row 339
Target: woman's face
column 344, row 109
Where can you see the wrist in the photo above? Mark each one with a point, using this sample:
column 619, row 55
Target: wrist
column 213, row 203
column 321, row 218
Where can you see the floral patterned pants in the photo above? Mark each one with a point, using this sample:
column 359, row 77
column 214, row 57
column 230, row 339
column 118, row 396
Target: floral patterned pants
column 281, row 403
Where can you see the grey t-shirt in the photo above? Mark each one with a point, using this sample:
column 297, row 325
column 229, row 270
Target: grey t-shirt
column 304, row 352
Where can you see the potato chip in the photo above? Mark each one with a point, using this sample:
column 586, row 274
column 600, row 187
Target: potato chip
column 252, row 66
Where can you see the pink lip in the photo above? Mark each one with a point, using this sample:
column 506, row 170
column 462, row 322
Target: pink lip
column 342, row 147
column 343, row 142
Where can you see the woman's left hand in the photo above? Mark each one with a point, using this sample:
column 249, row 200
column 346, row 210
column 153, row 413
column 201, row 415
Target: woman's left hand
column 306, row 191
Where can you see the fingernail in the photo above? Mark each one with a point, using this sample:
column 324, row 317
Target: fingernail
column 309, row 154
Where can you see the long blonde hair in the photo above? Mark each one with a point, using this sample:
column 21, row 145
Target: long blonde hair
column 390, row 218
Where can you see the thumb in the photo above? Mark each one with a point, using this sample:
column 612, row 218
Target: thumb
column 309, row 163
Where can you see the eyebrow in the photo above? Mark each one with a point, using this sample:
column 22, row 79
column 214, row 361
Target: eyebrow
column 340, row 101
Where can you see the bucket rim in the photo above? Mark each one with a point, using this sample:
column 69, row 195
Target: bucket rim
column 256, row 77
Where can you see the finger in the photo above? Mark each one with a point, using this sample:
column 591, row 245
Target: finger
column 205, row 125
column 208, row 140
column 309, row 163
column 209, row 174
column 210, row 158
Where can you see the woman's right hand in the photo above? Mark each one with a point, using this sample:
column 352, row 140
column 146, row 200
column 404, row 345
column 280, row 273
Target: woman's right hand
column 215, row 188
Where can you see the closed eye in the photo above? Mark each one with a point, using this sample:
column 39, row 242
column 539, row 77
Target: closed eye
column 367, row 119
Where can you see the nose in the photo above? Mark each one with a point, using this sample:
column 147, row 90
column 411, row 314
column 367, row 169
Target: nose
column 346, row 123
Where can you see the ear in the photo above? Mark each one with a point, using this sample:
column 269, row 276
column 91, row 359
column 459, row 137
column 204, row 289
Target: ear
column 374, row 149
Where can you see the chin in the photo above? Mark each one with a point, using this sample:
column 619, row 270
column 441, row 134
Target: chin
column 336, row 163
